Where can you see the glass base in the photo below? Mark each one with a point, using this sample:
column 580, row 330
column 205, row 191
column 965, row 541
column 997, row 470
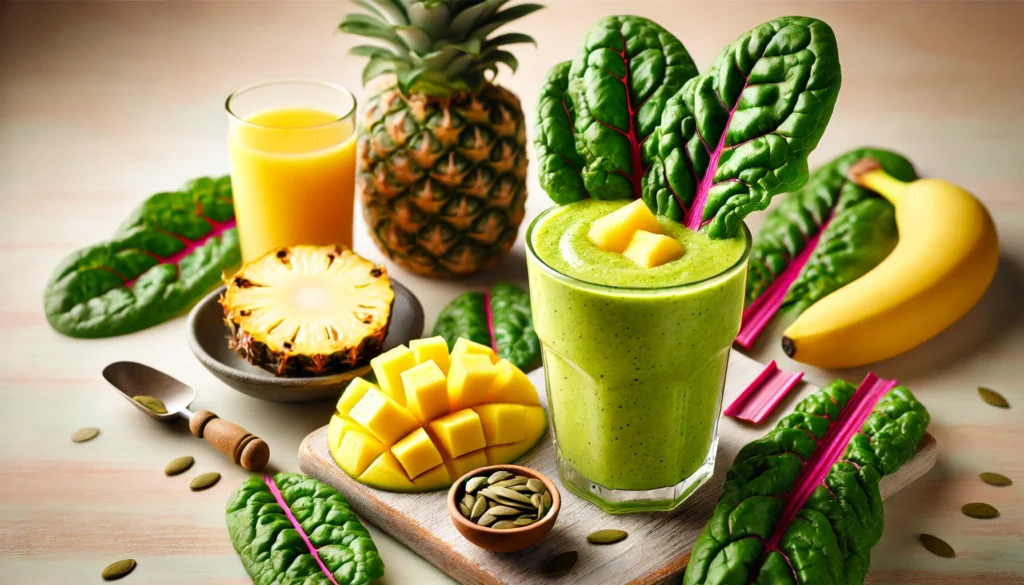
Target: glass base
column 615, row 501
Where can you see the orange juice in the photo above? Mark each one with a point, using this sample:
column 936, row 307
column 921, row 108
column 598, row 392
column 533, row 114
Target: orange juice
column 293, row 177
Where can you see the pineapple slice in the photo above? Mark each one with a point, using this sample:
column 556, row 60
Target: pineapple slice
column 649, row 250
column 446, row 426
column 614, row 231
column 308, row 310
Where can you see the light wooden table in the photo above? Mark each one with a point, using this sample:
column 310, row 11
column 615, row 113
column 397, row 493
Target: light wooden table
column 103, row 103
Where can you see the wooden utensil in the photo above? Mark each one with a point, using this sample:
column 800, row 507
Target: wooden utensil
column 134, row 379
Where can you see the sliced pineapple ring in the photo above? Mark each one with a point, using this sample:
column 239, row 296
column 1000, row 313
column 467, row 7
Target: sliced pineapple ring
column 421, row 429
column 309, row 310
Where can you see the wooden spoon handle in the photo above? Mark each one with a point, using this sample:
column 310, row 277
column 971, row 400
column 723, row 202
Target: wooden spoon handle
column 240, row 445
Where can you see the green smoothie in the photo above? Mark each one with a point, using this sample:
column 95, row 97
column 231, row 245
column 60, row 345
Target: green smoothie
column 635, row 358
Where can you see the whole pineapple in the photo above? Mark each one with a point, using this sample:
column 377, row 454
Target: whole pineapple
column 441, row 166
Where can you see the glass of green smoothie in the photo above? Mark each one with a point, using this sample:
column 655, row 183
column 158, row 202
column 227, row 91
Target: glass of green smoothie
column 635, row 358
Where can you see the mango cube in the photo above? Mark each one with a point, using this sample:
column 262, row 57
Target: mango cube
column 433, row 480
column 535, row 423
column 417, row 453
column 386, row 470
column 426, row 391
column 649, row 250
column 470, row 378
column 335, row 429
column 388, row 368
column 458, row 433
column 511, row 385
column 433, row 349
column 614, row 231
column 462, row 465
column 383, row 417
column 357, row 452
column 465, row 346
column 355, row 390
column 502, row 423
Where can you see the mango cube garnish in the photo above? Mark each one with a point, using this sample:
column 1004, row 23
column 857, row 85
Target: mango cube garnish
column 481, row 411
column 614, row 231
column 649, row 250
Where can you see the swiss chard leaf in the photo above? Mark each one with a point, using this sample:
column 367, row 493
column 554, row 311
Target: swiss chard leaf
column 802, row 504
column 554, row 142
column 170, row 251
column 741, row 132
column 500, row 319
column 860, row 231
column 293, row 530
column 619, row 85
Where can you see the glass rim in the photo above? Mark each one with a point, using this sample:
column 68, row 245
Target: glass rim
column 740, row 263
column 297, row 81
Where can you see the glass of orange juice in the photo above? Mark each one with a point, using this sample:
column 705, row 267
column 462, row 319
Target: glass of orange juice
column 293, row 159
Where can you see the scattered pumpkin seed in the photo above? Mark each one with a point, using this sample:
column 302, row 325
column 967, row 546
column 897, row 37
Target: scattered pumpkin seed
column 154, row 404
column 993, row 398
column 487, row 519
column 500, row 475
column 504, row 525
column 607, row 536
column 204, row 481
column 86, row 434
column 179, row 465
column 995, row 479
column 979, row 510
column 936, row 546
column 536, row 486
column 560, row 564
column 117, row 570
column 474, row 483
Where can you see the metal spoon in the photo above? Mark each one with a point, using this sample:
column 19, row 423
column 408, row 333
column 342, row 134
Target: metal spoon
column 134, row 379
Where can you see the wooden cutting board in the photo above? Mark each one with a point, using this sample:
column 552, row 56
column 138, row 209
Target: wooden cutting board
column 658, row 546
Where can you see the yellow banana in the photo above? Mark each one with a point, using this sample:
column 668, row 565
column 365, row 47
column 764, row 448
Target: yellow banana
column 945, row 260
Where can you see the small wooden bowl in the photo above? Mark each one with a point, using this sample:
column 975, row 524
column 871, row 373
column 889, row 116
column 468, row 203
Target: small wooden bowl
column 510, row 539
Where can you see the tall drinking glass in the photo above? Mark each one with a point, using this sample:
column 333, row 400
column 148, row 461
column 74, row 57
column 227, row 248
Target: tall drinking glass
column 634, row 379
column 293, row 159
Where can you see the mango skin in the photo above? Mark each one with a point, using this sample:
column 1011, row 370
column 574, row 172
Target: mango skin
column 504, row 396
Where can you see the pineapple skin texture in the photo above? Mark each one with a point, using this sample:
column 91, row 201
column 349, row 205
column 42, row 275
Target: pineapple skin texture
column 442, row 181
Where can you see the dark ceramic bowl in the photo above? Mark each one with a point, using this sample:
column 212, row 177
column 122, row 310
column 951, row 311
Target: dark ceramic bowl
column 507, row 539
column 208, row 338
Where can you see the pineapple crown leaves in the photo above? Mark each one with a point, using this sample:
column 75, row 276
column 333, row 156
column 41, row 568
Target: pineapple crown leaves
column 436, row 47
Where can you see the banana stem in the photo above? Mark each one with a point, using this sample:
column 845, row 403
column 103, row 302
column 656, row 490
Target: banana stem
column 869, row 174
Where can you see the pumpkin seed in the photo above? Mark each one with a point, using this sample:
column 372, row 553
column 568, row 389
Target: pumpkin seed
column 117, row 570
column 536, row 486
column 478, row 508
column 487, row 519
column 154, row 404
column 204, row 481
column 521, row 489
column 513, row 504
column 179, row 465
column 560, row 564
column 468, row 501
column 537, row 501
column 86, row 434
column 504, row 525
column 464, row 510
column 979, row 510
column 497, row 476
column 508, row 494
column 607, row 536
column 524, row 520
column 509, row 483
column 542, row 510
column 936, row 546
column 474, row 483
column 993, row 398
column 547, row 499
column 504, row 511
column 996, row 479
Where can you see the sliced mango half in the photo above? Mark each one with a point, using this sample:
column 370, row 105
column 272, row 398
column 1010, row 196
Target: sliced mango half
column 434, row 417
